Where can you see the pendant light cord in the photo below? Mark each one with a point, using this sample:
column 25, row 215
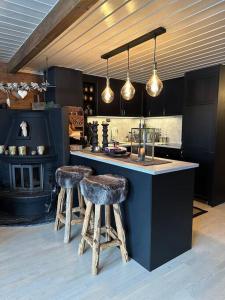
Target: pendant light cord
column 154, row 57
column 128, row 60
column 46, row 74
column 107, row 70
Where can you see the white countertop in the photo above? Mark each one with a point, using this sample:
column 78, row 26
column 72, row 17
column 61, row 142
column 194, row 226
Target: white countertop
column 172, row 166
column 170, row 145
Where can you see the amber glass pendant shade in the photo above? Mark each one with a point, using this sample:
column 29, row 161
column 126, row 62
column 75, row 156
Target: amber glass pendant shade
column 128, row 90
column 107, row 94
column 154, row 85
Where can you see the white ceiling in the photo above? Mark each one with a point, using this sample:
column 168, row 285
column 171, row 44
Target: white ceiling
column 18, row 19
column 195, row 38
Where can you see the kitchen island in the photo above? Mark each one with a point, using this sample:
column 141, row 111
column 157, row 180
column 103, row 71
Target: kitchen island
column 158, row 211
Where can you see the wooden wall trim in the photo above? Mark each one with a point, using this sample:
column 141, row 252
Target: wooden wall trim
column 63, row 15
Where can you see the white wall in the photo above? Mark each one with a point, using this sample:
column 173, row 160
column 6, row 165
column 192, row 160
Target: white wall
column 170, row 126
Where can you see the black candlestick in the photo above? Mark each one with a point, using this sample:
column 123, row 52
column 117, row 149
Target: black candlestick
column 105, row 135
column 94, row 140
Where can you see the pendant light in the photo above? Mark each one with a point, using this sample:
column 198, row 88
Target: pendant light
column 107, row 94
column 128, row 91
column 154, row 85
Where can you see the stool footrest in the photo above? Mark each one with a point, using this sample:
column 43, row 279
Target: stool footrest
column 88, row 237
column 110, row 244
column 78, row 209
column 75, row 220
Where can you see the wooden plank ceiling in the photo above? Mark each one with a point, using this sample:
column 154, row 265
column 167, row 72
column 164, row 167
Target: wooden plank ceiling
column 195, row 38
column 18, row 19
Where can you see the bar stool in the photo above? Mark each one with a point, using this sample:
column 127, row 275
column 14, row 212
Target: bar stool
column 103, row 190
column 68, row 177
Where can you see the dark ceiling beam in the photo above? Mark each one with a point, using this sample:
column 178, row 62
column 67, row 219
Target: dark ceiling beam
column 148, row 36
column 62, row 16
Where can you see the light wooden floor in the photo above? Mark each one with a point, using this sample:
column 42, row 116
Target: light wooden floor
column 35, row 264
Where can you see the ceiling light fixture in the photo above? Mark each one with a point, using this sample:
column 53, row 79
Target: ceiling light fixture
column 107, row 94
column 128, row 90
column 154, row 85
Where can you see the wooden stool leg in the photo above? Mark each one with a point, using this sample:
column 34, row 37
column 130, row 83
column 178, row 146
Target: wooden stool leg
column 96, row 240
column 69, row 200
column 80, row 200
column 91, row 223
column 120, row 231
column 85, row 227
column 107, row 222
column 59, row 207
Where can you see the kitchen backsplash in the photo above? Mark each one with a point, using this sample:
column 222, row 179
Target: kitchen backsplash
column 120, row 126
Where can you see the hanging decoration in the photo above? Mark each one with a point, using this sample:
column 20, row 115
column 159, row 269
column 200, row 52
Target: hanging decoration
column 22, row 87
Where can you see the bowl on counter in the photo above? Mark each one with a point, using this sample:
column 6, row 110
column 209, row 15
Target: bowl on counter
column 115, row 150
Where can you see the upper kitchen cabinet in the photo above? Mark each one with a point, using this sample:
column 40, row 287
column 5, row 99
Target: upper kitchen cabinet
column 169, row 102
column 68, row 87
column 90, row 94
column 118, row 107
column 202, row 86
column 134, row 107
column 113, row 108
column 174, row 96
column 154, row 107
column 204, row 131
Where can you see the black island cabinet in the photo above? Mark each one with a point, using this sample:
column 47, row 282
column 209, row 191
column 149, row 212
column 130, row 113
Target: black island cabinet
column 157, row 213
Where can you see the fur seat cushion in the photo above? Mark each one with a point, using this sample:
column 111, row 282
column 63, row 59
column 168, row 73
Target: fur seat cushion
column 70, row 176
column 104, row 189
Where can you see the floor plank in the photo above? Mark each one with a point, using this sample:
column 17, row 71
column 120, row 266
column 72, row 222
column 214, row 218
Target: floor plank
column 36, row 264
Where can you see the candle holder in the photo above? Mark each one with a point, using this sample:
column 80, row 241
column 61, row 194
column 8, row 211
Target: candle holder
column 94, row 140
column 140, row 137
column 105, row 135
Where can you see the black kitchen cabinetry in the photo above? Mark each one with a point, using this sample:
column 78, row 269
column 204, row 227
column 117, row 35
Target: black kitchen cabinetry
column 167, row 152
column 164, row 152
column 169, row 102
column 90, row 89
column 174, row 96
column 134, row 107
column 204, row 131
column 118, row 107
column 113, row 108
column 68, row 87
column 154, row 106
